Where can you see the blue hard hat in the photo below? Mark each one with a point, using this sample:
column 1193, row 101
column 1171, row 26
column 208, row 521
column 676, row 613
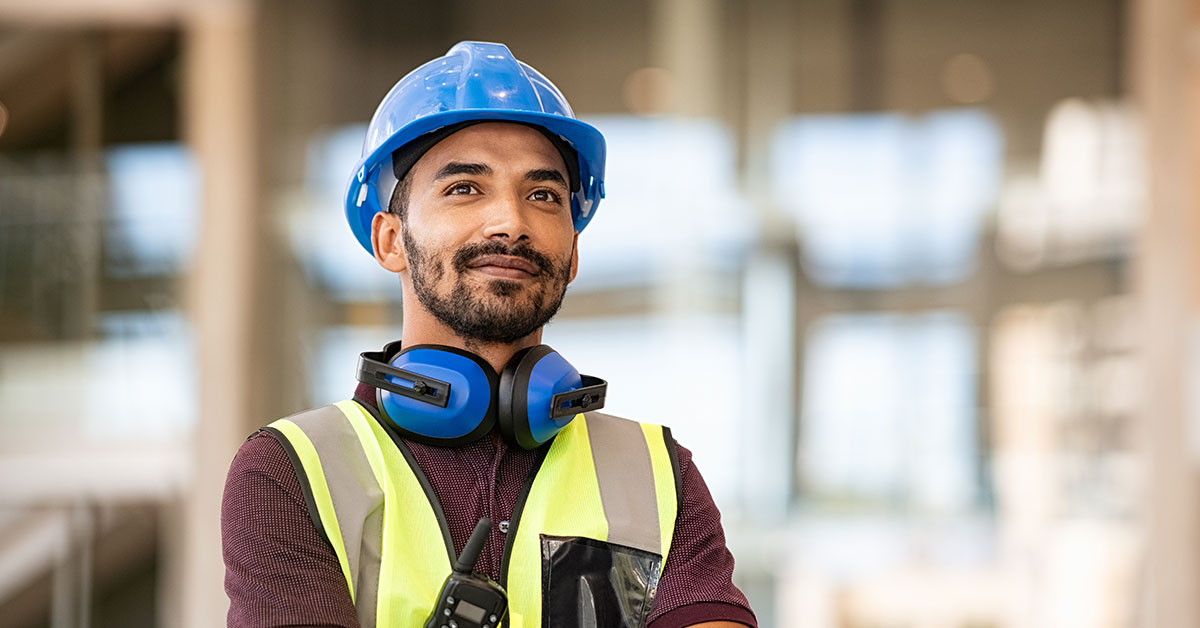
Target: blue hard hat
column 475, row 81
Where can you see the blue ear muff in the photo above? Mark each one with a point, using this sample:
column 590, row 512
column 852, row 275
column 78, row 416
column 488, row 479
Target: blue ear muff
column 433, row 394
column 540, row 392
column 449, row 397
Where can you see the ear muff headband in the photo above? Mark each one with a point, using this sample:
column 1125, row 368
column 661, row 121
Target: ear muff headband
column 434, row 394
column 449, row 397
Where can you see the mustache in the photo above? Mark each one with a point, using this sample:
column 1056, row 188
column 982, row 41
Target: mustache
column 470, row 252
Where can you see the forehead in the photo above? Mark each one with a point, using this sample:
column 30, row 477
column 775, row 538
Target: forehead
column 497, row 144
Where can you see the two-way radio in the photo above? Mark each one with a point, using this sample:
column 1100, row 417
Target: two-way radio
column 469, row 600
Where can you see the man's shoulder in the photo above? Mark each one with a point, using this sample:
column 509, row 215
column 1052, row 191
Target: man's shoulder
column 267, row 448
column 260, row 453
column 261, row 467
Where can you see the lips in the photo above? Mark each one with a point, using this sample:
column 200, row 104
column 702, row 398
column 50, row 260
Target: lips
column 511, row 265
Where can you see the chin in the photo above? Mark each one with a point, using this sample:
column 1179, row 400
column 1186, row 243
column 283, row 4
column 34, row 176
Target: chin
column 504, row 287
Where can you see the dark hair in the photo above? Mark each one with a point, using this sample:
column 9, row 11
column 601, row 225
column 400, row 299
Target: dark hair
column 399, row 203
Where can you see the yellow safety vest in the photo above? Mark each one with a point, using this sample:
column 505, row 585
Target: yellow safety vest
column 602, row 478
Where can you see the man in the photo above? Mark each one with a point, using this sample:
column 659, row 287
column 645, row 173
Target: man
column 353, row 515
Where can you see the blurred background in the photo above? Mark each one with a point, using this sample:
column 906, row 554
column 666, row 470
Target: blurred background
column 915, row 281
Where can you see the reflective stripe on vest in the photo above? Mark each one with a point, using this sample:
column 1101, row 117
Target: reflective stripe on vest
column 363, row 493
column 603, row 478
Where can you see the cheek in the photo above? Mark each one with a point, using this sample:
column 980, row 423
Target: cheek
column 427, row 256
column 432, row 232
column 559, row 235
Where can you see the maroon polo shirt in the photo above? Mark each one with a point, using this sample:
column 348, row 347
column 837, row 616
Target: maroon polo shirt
column 279, row 571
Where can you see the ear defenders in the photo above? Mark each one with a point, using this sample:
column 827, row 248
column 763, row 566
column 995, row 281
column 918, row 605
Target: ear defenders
column 447, row 396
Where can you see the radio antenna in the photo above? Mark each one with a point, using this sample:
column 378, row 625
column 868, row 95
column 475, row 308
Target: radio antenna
column 470, row 554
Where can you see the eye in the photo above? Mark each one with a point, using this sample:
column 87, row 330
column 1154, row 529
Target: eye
column 460, row 189
column 545, row 195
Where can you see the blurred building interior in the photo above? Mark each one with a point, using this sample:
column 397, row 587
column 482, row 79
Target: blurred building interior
column 930, row 264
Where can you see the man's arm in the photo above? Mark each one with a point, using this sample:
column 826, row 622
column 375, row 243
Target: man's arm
column 278, row 569
column 697, row 587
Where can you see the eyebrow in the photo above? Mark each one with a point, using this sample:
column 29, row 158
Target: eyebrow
column 544, row 174
column 457, row 167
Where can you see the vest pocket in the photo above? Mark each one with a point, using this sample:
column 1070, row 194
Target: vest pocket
column 593, row 584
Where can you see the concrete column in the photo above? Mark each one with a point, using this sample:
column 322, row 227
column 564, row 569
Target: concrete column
column 770, row 336
column 769, row 90
column 221, row 128
column 86, row 143
column 1166, row 81
column 686, row 41
column 774, row 341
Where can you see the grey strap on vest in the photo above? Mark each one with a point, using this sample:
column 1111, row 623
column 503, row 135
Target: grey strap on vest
column 626, row 478
column 359, row 512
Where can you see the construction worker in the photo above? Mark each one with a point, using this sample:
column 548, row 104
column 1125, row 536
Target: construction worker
column 469, row 481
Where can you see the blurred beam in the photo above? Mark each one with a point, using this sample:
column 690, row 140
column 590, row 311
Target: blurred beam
column 71, row 471
column 30, row 546
column 31, row 541
column 44, row 94
column 71, row 588
column 29, row 48
column 868, row 68
column 138, row 294
column 86, row 140
column 772, row 339
column 1165, row 82
column 87, row 97
column 98, row 12
column 35, row 85
column 988, row 291
column 221, row 127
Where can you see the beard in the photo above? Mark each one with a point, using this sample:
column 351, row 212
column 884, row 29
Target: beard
column 495, row 312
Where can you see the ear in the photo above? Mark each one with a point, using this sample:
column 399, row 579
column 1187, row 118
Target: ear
column 387, row 243
column 574, row 257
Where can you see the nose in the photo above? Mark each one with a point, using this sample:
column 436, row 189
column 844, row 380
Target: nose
column 506, row 218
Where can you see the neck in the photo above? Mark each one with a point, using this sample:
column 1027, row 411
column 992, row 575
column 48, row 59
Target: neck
column 423, row 330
